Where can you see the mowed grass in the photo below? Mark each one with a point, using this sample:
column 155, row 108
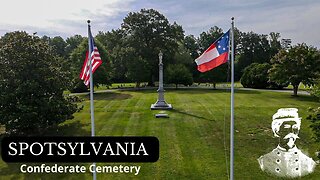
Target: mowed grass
column 194, row 141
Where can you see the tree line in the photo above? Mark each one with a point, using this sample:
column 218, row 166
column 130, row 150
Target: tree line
column 36, row 70
column 130, row 54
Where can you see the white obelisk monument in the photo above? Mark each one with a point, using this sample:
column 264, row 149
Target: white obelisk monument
column 161, row 103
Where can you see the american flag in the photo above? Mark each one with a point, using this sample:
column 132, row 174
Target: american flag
column 95, row 60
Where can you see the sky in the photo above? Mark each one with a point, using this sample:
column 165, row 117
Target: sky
column 298, row 20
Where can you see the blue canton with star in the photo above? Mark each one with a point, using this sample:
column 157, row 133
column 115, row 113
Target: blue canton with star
column 222, row 44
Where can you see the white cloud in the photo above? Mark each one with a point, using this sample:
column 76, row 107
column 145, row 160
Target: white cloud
column 297, row 20
column 57, row 15
column 293, row 19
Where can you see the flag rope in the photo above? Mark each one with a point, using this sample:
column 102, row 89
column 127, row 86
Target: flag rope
column 229, row 74
column 225, row 124
column 232, row 104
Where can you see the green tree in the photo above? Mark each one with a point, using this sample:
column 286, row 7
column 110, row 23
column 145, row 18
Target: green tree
column 314, row 113
column 190, row 42
column 209, row 37
column 275, row 45
column 136, row 69
column 114, row 42
column 148, row 32
column 299, row 64
column 72, row 43
column 216, row 75
column 111, row 39
column 32, row 81
column 315, row 89
column 183, row 56
column 252, row 48
column 178, row 74
column 314, row 117
column 256, row 76
column 58, row 45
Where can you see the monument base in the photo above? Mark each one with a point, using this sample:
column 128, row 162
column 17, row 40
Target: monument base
column 159, row 105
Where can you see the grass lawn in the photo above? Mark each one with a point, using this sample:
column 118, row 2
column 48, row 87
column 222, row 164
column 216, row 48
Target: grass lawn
column 192, row 139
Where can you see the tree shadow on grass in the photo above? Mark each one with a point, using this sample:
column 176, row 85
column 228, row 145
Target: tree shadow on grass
column 145, row 91
column 239, row 91
column 75, row 128
column 109, row 96
column 306, row 98
column 13, row 170
column 193, row 91
column 174, row 90
column 213, row 91
column 192, row 115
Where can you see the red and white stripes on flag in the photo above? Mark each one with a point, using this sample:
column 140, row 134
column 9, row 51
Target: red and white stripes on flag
column 96, row 62
column 215, row 55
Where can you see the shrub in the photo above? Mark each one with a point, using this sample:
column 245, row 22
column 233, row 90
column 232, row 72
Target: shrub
column 255, row 76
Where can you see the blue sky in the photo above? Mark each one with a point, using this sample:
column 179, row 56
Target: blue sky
column 298, row 20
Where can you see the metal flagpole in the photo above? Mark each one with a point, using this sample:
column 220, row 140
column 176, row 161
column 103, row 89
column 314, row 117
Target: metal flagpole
column 232, row 102
column 91, row 91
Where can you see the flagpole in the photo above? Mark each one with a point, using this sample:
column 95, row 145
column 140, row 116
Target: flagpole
column 91, row 91
column 232, row 102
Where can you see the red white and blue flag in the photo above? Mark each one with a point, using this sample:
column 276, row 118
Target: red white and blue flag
column 95, row 60
column 215, row 55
